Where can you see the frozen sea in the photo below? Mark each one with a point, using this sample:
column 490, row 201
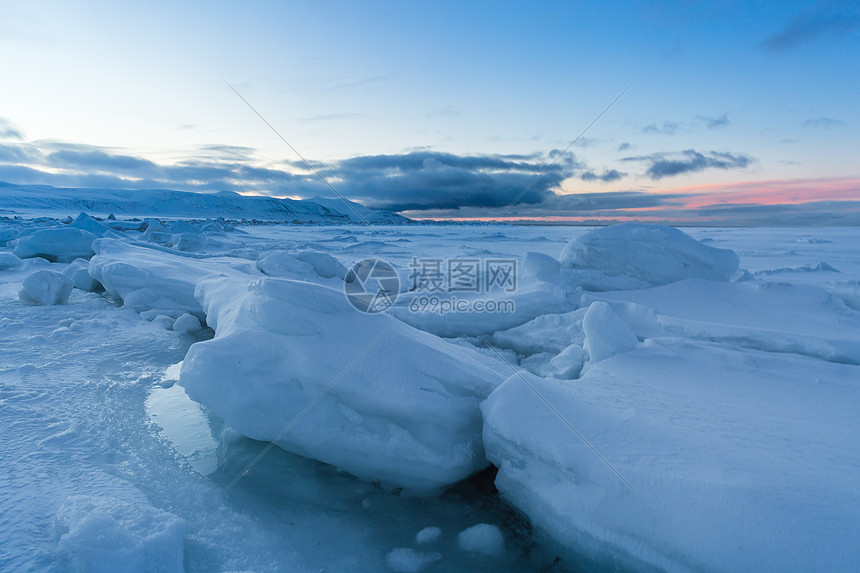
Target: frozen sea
column 689, row 422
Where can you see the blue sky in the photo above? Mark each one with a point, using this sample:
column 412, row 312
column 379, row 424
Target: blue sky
column 427, row 107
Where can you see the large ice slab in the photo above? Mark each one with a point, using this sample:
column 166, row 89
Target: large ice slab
column 46, row 287
column 396, row 404
column 154, row 279
column 57, row 244
column 636, row 255
column 735, row 459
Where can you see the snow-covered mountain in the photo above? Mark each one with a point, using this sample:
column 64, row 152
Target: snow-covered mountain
column 31, row 199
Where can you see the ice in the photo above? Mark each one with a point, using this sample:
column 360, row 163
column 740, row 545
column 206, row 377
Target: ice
column 79, row 272
column 428, row 535
column 482, row 538
column 323, row 264
column 168, row 203
column 726, row 459
column 605, row 333
column 8, row 261
column 569, row 362
column 58, row 244
column 102, row 534
column 187, row 324
column 536, row 295
column 406, row 560
column 46, row 287
column 547, row 333
column 87, row 223
column 760, row 315
column 390, row 403
column 151, row 279
column 285, row 266
column 636, row 255
column 732, row 419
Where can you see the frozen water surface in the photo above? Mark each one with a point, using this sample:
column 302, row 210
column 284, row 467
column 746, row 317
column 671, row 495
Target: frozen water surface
column 728, row 404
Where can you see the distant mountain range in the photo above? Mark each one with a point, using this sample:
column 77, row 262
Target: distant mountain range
column 44, row 199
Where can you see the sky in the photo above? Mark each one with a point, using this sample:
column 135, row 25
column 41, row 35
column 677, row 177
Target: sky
column 734, row 111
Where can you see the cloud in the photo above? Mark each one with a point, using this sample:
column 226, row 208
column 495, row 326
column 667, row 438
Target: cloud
column 715, row 122
column 606, row 177
column 558, row 205
column 626, row 146
column 422, row 179
column 88, row 159
column 831, row 19
column 333, row 117
column 823, row 122
column 8, row 131
column 667, row 128
column 689, row 161
column 16, row 153
column 435, row 180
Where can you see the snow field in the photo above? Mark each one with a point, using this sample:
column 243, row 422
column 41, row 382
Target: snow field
column 695, row 422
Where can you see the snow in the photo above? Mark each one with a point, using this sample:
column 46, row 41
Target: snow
column 428, row 535
column 605, row 333
column 59, row 244
column 32, row 199
column 636, row 255
column 406, row 560
column 770, row 316
column 8, row 261
column 694, row 424
column 395, row 404
column 102, row 534
column 79, row 272
column 46, row 287
column 482, row 538
column 187, row 323
column 720, row 447
column 145, row 278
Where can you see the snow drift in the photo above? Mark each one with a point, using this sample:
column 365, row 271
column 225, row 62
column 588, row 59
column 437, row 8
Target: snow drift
column 635, row 255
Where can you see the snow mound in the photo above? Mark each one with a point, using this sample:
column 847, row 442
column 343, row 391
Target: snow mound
column 9, row 261
column 605, row 333
column 46, row 287
column 636, row 255
column 569, row 362
column 395, row 404
column 58, row 244
column 535, row 296
column 406, row 560
column 285, row 266
column 87, row 223
column 79, row 272
column 187, row 324
column 428, row 535
column 547, row 333
column 735, row 459
column 777, row 317
column 101, row 534
column 152, row 279
column 482, row 538
column 323, row 264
